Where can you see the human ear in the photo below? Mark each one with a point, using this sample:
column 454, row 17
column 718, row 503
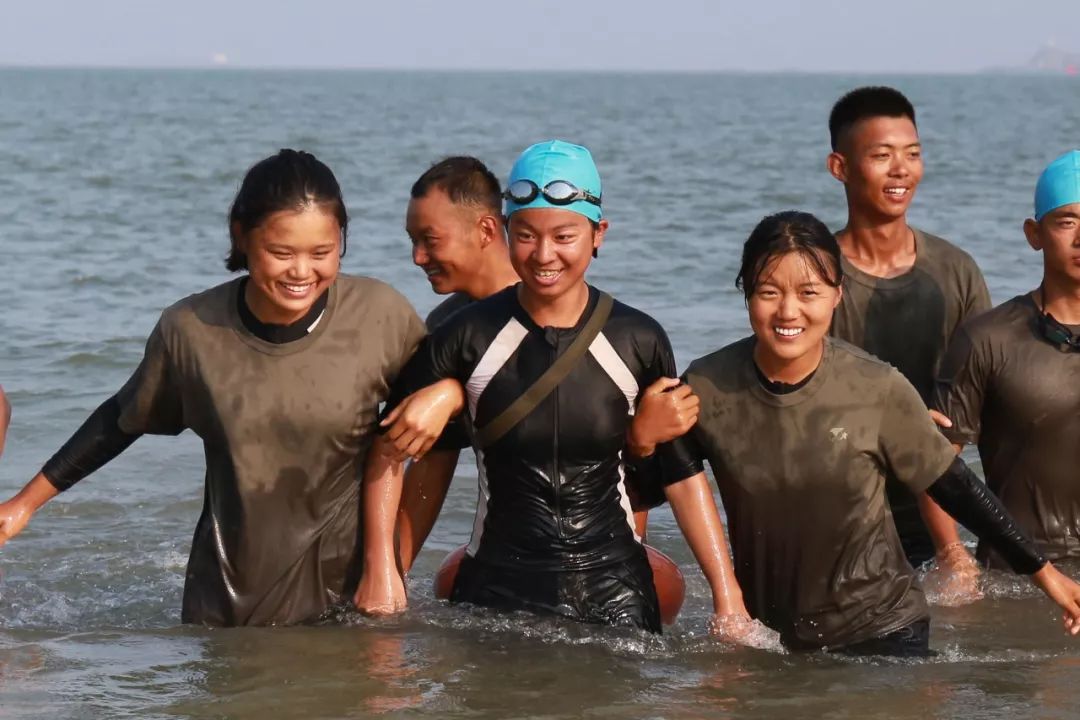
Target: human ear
column 489, row 229
column 837, row 166
column 1031, row 232
column 598, row 234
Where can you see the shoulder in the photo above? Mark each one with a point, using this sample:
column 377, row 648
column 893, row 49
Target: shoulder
column 486, row 316
column 629, row 318
column 446, row 309
column 946, row 253
column 209, row 307
column 1005, row 319
column 370, row 292
column 855, row 363
column 722, row 362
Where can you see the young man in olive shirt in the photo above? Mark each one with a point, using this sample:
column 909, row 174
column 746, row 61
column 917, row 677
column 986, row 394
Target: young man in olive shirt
column 905, row 291
column 1011, row 379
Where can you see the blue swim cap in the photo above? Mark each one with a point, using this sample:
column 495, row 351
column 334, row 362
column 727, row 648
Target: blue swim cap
column 553, row 160
column 1059, row 184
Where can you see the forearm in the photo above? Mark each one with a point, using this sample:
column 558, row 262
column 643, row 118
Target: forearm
column 381, row 494
column 36, row 493
column 939, row 524
column 95, row 443
column 426, row 484
column 637, row 445
column 696, row 513
column 961, row 494
column 5, row 418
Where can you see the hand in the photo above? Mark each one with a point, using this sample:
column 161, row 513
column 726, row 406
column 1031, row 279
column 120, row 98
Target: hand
column 14, row 515
column 381, row 592
column 741, row 629
column 954, row 580
column 1062, row 590
column 667, row 410
column 419, row 420
column 940, row 420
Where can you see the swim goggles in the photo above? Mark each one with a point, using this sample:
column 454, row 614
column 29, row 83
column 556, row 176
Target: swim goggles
column 556, row 192
column 1054, row 331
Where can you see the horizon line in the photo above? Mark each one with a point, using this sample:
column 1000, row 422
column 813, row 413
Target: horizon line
column 225, row 67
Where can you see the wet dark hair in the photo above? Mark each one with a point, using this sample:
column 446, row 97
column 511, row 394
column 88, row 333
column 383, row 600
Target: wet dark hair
column 290, row 180
column 867, row 102
column 465, row 180
column 787, row 232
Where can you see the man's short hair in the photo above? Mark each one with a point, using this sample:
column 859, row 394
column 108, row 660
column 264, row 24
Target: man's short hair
column 465, row 180
column 867, row 102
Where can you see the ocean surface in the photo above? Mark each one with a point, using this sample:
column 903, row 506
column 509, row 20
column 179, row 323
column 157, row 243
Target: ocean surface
column 114, row 188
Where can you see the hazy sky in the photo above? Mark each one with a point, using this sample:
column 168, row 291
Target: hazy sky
column 811, row 35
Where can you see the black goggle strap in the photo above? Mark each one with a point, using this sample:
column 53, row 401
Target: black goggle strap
column 1053, row 330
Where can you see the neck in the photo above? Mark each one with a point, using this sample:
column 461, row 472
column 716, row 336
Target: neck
column 1061, row 298
column 495, row 273
column 266, row 311
column 561, row 312
column 790, row 371
column 889, row 243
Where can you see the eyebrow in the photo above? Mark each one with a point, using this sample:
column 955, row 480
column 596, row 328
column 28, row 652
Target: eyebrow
column 890, row 145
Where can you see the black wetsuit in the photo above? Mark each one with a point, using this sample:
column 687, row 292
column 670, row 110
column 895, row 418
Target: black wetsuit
column 553, row 531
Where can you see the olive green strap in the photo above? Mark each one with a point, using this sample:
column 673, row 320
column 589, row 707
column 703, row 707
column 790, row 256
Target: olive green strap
column 546, row 383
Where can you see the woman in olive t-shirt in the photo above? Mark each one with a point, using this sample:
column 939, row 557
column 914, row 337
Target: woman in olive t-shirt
column 280, row 373
column 802, row 431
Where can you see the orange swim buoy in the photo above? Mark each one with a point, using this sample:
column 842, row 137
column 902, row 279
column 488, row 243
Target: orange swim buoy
column 670, row 585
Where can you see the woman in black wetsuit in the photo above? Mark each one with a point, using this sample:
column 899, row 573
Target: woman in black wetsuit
column 553, row 531
column 801, row 431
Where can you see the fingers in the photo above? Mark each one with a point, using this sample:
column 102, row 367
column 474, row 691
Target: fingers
column 394, row 415
column 940, row 419
column 661, row 385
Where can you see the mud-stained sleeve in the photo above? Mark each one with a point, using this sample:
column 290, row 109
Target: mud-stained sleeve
column 411, row 331
column 978, row 297
column 150, row 401
column 912, row 449
column 960, row 388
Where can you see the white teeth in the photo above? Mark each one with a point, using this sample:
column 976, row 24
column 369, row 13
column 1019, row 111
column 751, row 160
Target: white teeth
column 547, row 274
column 297, row 288
column 432, row 271
column 787, row 332
column 896, row 191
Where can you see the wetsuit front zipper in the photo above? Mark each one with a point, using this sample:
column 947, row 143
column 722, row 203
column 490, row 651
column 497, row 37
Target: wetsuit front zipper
column 555, row 477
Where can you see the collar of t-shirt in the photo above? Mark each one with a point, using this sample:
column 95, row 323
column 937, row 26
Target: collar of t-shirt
column 280, row 334
column 781, row 388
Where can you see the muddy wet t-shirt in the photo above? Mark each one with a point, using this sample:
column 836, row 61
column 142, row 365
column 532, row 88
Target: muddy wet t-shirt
column 802, row 479
column 907, row 321
column 285, row 429
column 1017, row 395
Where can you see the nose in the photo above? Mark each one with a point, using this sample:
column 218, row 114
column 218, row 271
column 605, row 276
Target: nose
column 301, row 266
column 899, row 166
column 419, row 254
column 543, row 252
column 788, row 308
